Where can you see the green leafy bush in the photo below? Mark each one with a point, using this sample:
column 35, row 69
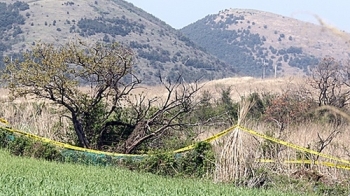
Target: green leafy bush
column 198, row 162
column 24, row 146
column 164, row 164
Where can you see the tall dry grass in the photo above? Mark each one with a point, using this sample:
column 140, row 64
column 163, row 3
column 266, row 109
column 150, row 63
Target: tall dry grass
column 237, row 158
column 42, row 118
column 37, row 117
column 241, row 158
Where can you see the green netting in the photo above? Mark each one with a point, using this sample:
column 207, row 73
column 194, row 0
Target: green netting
column 95, row 159
column 68, row 155
column 5, row 137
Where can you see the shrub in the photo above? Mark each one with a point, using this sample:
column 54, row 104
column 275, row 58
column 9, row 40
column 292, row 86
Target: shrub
column 270, row 149
column 160, row 164
column 198, row 162
column 24, row 146
column 260, row 104
column 287, row 108
column 228, row 105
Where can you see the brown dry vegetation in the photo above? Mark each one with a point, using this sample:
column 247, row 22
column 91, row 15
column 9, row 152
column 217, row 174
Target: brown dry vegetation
column 240, row 86
column 39, row 117
column 304, row 135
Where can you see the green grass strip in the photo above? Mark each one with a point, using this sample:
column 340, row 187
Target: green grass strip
column 25, row 176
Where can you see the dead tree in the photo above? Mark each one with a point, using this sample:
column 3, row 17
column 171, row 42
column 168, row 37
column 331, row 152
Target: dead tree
column 170, row 113
column 331, row 79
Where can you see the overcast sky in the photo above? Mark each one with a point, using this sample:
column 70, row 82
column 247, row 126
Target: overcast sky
column 180, row 13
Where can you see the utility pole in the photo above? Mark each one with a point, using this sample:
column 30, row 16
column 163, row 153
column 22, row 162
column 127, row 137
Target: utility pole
column 264, row 65
column 264, row 73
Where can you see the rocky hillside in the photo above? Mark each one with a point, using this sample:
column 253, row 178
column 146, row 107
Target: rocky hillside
column 159, row 48
column 257, row 43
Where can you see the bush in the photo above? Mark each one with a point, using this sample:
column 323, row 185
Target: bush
column 270, row 149
column 24, row 146
column 260, row 104
column 160, row 163
column 87, row 158
column 228, row 105
column 198, row 162
column 289, row 107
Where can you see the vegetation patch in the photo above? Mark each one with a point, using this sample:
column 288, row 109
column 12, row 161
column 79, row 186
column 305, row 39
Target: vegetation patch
column 23, row 176
column 23, row 146
column 115, row 26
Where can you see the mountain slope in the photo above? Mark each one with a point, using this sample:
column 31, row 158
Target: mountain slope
column 159, row 47
column 256, row 42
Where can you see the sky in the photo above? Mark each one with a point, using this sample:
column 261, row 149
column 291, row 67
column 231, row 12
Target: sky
column 180, row 13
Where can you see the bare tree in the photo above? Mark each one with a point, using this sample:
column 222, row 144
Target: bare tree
column 331, row 79
column 171, row 113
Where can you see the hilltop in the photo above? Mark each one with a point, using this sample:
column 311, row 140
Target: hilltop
column 159, row 48
column 251, row 40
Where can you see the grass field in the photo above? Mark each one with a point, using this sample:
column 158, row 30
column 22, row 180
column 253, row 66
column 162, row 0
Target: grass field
column 24, row 176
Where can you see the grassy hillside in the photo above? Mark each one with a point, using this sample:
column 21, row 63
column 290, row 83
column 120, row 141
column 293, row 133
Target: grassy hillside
column 159, row 48
column 256, row 42
column 23, row 176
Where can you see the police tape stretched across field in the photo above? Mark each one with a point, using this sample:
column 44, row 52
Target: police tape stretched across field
column 345, row 165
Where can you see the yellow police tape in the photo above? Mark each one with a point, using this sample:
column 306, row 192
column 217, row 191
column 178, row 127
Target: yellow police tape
column 210, row 139
column 3, row 121
column 71, row 147
column 328, row 164
column 67, row 146
column 291, row 145
column 216, row 136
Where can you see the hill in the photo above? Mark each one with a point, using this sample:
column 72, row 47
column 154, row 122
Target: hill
column 256, row 42
column 159, row 48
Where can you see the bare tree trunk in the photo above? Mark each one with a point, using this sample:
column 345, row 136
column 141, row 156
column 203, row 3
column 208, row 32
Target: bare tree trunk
column 136, row 137
column 79, row 131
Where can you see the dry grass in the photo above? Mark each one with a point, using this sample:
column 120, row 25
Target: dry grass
column 35, row 117
column 239, row 154
column 240, row 86
column 3, row 93
column 237, row 157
